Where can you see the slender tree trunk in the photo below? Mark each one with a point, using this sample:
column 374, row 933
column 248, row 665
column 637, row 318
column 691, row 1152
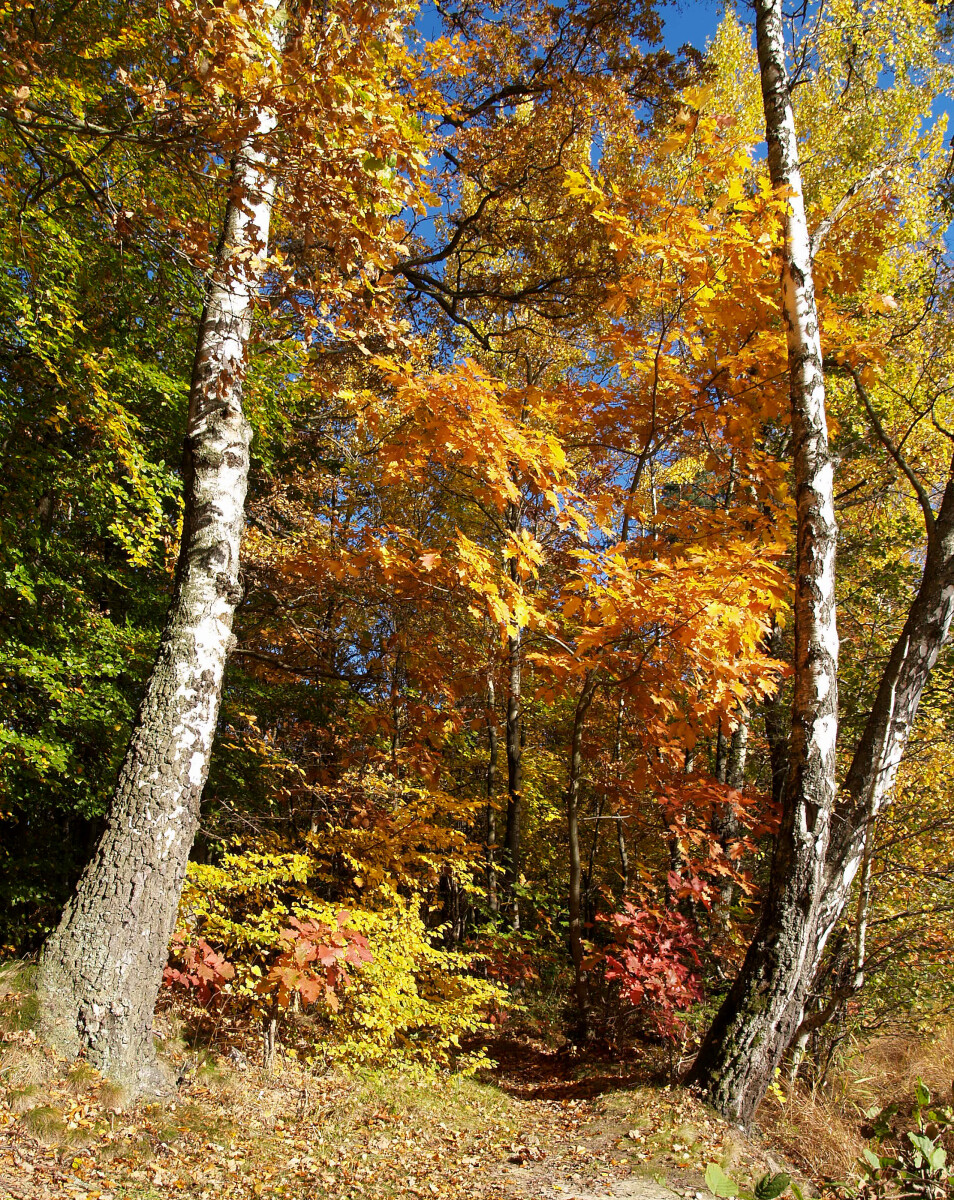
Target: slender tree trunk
column 576, row 875
column 623, row 855
column 492, row 898
column 514, row 778
column 721, row 754
column 726, row 823
column 738, row 752
column 100, row 971
column 777, row 727
column 756, row 1023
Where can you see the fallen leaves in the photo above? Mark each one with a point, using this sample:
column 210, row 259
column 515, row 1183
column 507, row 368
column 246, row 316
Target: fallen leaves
column 230, row 1135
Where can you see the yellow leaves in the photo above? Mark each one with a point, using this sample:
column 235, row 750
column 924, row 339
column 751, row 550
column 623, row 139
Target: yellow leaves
column 673, row 144
column 696, row 97
column 882, row 303
column 583, row 183
column 525, row 552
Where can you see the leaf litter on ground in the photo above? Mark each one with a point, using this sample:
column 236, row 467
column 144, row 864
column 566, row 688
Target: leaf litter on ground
column 532, row 1129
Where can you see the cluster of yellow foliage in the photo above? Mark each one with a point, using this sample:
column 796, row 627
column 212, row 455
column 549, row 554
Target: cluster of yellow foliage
column 412, row 1003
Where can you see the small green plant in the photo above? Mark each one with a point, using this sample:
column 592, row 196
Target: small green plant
column 909, row 1164
column 769, row 1187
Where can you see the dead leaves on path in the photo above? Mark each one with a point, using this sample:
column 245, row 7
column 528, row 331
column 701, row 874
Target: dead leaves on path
column 242, row 1135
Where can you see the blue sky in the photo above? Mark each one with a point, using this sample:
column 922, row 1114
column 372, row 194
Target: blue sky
column 688, row 21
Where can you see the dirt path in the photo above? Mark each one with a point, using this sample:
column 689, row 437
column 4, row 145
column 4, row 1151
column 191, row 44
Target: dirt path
column 541, row 1127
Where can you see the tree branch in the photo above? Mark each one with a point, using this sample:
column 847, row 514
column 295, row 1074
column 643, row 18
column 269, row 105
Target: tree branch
column 923, row 498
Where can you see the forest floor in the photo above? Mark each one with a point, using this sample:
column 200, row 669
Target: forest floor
column 539, row 1125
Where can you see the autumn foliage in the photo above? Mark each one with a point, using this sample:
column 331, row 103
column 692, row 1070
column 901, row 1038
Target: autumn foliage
column 511, row 669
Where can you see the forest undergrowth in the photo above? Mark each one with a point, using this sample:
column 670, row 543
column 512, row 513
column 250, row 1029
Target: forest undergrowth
column 542, row 1121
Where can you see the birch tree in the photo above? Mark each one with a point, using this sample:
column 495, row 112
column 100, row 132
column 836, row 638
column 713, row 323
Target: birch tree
column 825, row 825
column 100, row 971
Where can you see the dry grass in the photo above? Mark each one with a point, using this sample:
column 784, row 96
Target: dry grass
column 820, row 1128
column 890, row 1066
column 45, row 1123
column 814, row 1129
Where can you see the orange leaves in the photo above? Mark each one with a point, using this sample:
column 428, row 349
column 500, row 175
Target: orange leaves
column 314, row 961
column 468, row 423
column 688, row 630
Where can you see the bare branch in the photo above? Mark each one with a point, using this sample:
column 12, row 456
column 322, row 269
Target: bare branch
column 826, row 226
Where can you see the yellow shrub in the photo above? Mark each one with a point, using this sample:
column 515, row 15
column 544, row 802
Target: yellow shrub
column 412, row 1003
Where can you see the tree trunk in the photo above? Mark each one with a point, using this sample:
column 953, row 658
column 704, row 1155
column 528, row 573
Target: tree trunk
column 868, row 784
column 756, row 1023
column 492, row 898
column 576, row 875
column 514, row 780
column 726, row 823
column 721, row 754
column 738, row 751
column 777, row 729
column 100, row 971
column 874, row 765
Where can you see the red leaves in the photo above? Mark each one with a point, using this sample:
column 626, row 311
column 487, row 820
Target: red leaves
column 315, row 960
column 202, row 969
column 655, row 964
column 314, row 963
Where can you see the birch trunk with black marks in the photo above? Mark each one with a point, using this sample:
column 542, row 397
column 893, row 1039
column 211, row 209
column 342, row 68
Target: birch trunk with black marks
column 575, row 894
column 101, row 970
column 870, row 780
column 763, row 1010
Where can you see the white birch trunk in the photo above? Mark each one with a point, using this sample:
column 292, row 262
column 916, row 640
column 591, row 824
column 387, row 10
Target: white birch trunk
column 762, row 1012
column 100, row 971
column 870, row 780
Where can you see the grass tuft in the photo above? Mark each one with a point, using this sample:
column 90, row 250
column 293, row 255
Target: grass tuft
column 82, row 1078
column 45, row 1123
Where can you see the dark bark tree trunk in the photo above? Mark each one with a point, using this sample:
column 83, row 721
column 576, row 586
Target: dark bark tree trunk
column 514, row 779
column 726, row 823
column 777, row 727
column 756, row 1023
column 491, row 850
column 453, row 906
column 580, row 996
column 100, row 971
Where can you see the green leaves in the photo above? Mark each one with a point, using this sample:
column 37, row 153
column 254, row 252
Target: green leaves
column 718, row 1183
column 769, row 1187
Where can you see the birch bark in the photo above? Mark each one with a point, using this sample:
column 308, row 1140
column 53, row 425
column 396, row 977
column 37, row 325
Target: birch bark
column 756, row 1023
column 870, row 780
column 100, row 971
